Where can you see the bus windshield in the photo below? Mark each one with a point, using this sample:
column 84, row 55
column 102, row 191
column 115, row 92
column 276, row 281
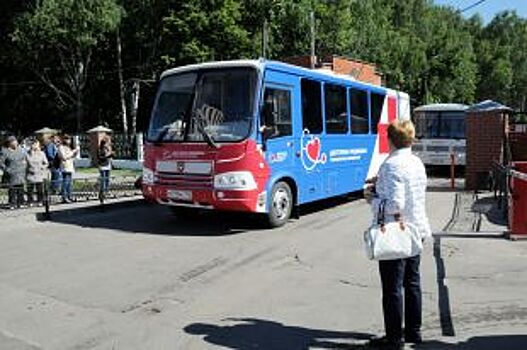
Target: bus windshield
column 440, row 125
column 214, row 105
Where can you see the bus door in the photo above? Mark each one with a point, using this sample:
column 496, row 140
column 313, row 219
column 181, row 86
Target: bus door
column 276, row 123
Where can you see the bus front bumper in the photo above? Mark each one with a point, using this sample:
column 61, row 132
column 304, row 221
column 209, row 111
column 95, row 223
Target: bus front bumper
column 247, row 201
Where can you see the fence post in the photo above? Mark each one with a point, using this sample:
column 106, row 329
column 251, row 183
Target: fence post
column 47, row 214
column 452, row 171
column 139, row 145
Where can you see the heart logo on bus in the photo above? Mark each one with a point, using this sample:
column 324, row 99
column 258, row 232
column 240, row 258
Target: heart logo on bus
column 313, row 149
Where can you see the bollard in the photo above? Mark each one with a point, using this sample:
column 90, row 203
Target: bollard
column 47, row 214
column 452, row 171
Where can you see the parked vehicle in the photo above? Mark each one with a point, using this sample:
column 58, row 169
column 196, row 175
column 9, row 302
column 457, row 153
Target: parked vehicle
column 440, row 132
column 264, row 136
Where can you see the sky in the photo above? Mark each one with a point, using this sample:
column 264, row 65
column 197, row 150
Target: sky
column 488, row 8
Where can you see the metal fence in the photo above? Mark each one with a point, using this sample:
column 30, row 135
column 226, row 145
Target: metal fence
column 82, row 190
column 123, row 146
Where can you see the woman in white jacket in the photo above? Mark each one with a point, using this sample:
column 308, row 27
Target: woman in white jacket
column 401, row 184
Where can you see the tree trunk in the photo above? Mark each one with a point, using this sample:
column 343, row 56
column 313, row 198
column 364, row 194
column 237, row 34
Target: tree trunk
column 124, row 117
column 79, row 110
column 135, row 105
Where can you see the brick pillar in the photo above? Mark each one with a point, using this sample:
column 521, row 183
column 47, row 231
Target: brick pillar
column 485, row 132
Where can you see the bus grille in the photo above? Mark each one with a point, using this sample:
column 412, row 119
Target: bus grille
column 437, row 148
column 185, row 182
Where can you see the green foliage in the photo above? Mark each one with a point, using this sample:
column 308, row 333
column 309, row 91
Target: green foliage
column 432, row 52
column 56, row 40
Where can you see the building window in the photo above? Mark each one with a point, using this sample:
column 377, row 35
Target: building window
column 359, row 111
column 311, row 106
column 377, row 102
column 336, row 109
column 276, row 114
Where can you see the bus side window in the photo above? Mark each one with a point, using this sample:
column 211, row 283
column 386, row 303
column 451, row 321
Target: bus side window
column 377, row 102
column 311, row 106
column 336, row 109
column 276, row 113
column 359, row 111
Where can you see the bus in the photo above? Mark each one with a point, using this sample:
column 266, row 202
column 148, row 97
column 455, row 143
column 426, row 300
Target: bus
column 264, row 137
column 440, row 133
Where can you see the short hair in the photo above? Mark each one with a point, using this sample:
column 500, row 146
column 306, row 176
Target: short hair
column 401, row 133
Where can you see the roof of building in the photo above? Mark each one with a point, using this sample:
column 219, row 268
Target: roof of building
column 488, row 106
column 442, row 107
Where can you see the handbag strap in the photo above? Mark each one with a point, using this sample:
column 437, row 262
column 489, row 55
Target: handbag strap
column 381, row 216
column 380, row 213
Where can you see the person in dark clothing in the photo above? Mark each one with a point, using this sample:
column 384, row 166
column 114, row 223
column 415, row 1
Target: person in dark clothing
column 104, row 160
column 13, row 163
column 51, row 145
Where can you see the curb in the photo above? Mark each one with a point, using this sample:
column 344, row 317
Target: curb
column 94, row 208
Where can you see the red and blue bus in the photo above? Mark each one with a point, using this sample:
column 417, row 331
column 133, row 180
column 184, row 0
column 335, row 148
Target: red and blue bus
column 263, row 137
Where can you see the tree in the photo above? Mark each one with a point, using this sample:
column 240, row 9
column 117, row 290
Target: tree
column 56, row 40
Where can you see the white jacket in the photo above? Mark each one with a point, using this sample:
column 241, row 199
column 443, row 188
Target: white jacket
column 402, row 183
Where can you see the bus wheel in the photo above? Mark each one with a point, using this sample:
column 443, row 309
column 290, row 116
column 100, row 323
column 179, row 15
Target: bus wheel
column 281, row 204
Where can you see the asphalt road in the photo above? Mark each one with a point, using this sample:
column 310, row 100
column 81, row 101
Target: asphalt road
column 138, row 278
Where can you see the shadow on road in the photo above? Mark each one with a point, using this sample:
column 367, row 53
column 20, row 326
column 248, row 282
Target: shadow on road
column 142, row 217
column 494, row 342
column 252, row 333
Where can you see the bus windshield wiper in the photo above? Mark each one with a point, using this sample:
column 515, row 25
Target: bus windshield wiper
column 201, row 128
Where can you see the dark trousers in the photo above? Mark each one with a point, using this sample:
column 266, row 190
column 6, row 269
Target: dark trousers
column 396, row 275
column 105, row 180
column 66, row 185
column 56, row 180
column 33, row 187
column 16, row 195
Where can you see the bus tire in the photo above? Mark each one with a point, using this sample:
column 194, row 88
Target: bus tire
column 281, row 204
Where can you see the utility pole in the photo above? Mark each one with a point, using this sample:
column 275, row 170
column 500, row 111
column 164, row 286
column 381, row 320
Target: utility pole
column 265, row 39
column 312, row 25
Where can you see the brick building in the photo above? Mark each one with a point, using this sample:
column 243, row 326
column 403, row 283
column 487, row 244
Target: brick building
column 486, row 131
column 360, row 70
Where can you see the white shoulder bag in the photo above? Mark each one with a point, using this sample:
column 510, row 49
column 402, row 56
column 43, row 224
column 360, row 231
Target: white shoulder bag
column 391, row 240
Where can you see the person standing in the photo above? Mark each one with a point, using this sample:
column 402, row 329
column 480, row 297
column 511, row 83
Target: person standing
column 401, row 186
column 104, row 160
column 13, row 163
column 67, row 155
column 51, row 145
column 37, row 165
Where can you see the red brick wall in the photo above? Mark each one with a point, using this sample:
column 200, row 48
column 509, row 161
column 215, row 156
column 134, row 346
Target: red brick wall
column 484, row 133
column 361, row 71
column 302, row 61
column 518, row 143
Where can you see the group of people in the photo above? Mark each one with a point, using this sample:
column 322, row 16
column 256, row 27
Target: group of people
column 25, row 169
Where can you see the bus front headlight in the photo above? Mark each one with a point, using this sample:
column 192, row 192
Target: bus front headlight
column 235, row 180
column 148, row 176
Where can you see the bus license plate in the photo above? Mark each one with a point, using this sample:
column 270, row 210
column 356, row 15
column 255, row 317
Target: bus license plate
column 179, row 195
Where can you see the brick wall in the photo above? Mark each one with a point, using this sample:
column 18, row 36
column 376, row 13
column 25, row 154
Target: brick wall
column 302, row 61
column 518, row 144
column 484, row 132
column 361, row 71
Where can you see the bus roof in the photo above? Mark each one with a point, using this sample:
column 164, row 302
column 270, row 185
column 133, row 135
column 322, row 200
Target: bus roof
column 261, row 64
column 442, row 107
